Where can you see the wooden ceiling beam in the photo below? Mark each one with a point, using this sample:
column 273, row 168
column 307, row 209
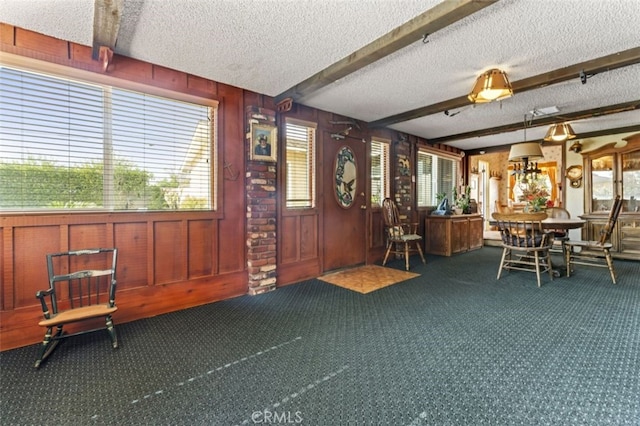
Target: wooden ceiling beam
column 589, row 68
column 543, row 121
column 434, row 19
column 106, row 24
column 586, row 135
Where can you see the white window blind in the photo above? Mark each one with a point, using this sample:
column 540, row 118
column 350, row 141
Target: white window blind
column 435, row 175
column 379, row 172
column 69, row 144
column 300, row 160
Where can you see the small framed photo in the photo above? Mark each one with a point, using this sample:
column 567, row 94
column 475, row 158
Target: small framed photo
column 264, row 142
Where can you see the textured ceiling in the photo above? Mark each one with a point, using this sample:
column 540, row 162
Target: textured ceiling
column 269, row 46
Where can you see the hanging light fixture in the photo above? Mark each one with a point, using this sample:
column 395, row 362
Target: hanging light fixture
column 559, row 133
column 524, row 154
column 492, row 85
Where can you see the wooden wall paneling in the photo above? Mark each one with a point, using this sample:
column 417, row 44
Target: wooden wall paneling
column 308, row 237
column 85, row 236
column 30, row 247
column 169, row 252
column 200, row 256
column 41, row 43
column 133, row 255
column 290, row 237
column 231, row 248
column 7, row 34
column 6, row 268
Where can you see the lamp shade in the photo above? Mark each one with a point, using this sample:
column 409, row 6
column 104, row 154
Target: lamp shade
column 559, row 133
column 527, row 150
column 492, row 85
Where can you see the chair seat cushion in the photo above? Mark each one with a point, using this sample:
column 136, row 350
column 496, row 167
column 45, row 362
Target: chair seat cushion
column 528, row 241
column 78, row 314
column 411, row 237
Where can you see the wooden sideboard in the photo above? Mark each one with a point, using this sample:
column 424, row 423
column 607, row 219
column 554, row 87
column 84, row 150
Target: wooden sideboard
column 447, row 235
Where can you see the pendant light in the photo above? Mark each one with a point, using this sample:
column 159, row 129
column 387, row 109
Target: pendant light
column 492, row 85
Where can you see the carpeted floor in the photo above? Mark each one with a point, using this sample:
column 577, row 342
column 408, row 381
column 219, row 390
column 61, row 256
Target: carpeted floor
column 368, row 278
column 453, row 346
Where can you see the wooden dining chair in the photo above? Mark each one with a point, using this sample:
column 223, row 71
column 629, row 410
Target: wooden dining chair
column 525, row 244
column 595, row 253
column 82, row 287
column 402, row 236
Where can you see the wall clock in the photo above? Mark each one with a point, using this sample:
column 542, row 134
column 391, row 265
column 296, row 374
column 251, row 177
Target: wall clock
column 574, row 174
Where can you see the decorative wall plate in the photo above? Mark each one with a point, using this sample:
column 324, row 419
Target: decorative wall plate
column 345, row 177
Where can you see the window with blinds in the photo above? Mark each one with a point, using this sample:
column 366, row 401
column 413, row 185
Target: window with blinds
column 435, row 175
column 379, row 172
column 71, row 144
column 300, row 159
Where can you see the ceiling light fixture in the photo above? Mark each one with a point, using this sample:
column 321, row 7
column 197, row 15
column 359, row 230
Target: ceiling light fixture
column 559, row 133
column 523, row 154
column 492, row 85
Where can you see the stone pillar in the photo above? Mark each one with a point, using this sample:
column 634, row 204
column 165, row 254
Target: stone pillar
column 261, row 212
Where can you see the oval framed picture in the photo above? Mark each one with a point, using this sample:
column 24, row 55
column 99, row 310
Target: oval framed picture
column 345, row 172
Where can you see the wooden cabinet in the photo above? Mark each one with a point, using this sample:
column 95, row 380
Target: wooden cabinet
column 608, row 172
column 447, row 235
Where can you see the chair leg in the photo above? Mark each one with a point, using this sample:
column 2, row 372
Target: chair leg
column 386, row 255
column 49, row 343
column 504, row 255
column 550, row 266
column 112, row 332
column 536, row 257
column 406, row 256
column 420, row 251
column 607, row 256
column 567, row 260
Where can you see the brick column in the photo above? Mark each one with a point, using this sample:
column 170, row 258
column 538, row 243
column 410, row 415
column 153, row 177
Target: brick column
column 261, row 213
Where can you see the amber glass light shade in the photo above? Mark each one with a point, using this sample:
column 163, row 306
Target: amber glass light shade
column 492, row 85
column 559, row 133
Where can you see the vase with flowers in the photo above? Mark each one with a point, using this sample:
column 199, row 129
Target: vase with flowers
column 536, row 197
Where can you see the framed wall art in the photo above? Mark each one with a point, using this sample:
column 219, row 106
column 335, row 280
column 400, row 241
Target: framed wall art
column 345, row 177
column 263, row 142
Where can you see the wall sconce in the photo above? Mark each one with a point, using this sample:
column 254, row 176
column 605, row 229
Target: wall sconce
column 492, row 85
column 559, row 133
column 576, row 147
column 522, row 154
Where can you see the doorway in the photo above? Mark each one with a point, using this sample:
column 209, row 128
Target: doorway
column 344, row 202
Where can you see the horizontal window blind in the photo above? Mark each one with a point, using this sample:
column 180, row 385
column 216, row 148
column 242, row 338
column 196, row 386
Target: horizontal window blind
column 379, row 172
column 300, row 159
column 435, row 175
column 75, row 145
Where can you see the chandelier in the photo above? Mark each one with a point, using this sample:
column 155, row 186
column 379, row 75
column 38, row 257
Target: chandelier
column 523, row 155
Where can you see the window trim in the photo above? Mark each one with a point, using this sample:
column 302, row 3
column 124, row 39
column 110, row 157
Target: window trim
column 441, row 154
column 387, row 172
column 67, row 72
column 294, row 211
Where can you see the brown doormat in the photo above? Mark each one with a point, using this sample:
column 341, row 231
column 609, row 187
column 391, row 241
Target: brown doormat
column 366, row 279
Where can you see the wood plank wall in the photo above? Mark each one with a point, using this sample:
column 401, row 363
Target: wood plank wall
column 167, row 260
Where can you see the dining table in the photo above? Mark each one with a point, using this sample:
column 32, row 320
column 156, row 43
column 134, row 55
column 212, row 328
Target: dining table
column 563, row 223
column 558, row 224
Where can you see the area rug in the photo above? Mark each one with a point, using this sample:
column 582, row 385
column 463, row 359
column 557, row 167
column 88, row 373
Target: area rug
column 368, row 278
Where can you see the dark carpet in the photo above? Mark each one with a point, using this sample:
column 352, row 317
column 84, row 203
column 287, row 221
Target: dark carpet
column 453, row 346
